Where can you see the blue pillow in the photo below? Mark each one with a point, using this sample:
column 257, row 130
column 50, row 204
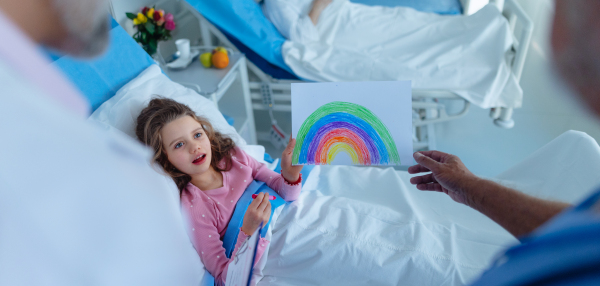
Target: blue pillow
column 99, row 79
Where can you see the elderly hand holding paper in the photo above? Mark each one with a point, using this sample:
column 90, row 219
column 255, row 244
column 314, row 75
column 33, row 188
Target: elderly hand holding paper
column 518, row 213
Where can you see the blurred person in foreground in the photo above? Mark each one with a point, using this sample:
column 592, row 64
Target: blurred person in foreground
column 78, row 206
column 560, row 243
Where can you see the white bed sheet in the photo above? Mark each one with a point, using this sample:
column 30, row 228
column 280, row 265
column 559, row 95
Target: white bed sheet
column 566, row 169
column 366, row 226
column 355, row 42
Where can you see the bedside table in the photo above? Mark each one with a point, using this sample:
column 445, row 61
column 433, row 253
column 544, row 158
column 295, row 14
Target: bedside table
column 227, row 88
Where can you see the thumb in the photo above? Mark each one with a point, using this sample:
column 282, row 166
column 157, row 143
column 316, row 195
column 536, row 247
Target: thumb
column 426, row 161
column 290, row 146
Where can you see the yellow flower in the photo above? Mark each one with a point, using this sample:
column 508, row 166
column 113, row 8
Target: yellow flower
column 162, row 13
column 136, row 21
column 141, row 18
column 150, row 13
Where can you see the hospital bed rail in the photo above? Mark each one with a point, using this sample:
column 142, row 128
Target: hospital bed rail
column 427, row 108
column 516, row 17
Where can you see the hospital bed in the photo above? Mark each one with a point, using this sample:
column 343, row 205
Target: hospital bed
column 125, row 76
column 241, row 25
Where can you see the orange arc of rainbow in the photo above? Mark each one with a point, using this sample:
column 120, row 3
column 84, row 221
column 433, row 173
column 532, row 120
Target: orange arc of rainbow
column 344, row 136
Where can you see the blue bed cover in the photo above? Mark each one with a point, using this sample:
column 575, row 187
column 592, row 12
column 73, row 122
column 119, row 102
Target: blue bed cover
column 100, row 78
column 244, row 24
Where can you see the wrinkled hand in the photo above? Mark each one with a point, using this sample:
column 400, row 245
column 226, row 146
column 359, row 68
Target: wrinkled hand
column 289, row 172
column 448, row 175
column 258, row 212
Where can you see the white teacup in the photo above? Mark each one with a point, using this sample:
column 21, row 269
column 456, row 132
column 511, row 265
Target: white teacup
column 183, row 46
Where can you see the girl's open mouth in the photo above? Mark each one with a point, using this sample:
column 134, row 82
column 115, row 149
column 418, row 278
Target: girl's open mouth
column 199, row 160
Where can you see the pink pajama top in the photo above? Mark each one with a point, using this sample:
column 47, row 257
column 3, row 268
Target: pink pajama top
column 210, row 211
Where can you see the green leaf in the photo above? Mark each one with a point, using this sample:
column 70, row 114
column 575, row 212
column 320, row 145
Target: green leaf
column 152, row 44
column 149, row 27
column 144, row 38
column 131, row 16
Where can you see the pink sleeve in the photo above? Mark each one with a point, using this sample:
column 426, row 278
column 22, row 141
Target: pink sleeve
column 274, row 180
column 206, row 240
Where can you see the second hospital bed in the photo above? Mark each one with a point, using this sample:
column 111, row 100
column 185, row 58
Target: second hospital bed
column 241, row 25
column 117, row 95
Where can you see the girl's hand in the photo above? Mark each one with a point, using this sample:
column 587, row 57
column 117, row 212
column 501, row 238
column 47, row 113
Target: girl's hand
column 258, row 211
column 289, row 172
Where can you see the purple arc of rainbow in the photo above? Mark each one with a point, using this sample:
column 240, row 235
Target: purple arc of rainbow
column 363, row 142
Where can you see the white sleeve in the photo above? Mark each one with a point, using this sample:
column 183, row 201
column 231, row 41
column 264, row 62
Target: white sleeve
column 290, row 21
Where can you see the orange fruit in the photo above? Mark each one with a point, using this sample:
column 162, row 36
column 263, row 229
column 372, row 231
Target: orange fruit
column 220, row 60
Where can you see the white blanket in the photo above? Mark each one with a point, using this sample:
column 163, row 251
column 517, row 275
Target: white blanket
column 354, row 42
column 566, row 169
column 365, row 226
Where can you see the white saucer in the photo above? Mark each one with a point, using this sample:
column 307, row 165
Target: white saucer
column 181, row 63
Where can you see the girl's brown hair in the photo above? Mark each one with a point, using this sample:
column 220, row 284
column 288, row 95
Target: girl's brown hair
column 160, row 112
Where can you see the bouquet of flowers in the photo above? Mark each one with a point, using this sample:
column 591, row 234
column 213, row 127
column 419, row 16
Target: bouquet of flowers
column 152, row 26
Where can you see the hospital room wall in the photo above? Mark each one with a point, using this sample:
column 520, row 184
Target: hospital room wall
column 549, row 109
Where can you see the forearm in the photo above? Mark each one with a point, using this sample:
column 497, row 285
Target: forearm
column 289, row 190
column 516, row 212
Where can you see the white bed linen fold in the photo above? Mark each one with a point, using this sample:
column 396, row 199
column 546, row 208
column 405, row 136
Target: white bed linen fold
column 464, row 54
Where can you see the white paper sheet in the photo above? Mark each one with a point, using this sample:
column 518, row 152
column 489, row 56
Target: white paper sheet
column 352, row 123
column 238, row 273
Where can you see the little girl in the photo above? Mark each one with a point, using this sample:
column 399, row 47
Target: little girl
column 212, row 174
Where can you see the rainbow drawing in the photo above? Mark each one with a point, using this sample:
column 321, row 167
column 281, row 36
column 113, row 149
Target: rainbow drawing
column 344, row 127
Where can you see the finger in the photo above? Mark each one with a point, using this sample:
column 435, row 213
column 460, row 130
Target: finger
column 426, row 161
column 267, row 214
column 290, row 146
column 263, row 203
column 417, row 169
column 425, row 179
column 255, row 202
column 268, row 210
column 430, row 187
column 435, row 155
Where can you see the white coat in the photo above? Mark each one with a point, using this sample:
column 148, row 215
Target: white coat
column 80, row 205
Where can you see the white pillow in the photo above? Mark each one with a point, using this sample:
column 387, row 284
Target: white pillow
column 121, row 111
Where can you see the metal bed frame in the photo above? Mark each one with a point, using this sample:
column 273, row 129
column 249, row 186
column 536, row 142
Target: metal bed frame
column 273, row 95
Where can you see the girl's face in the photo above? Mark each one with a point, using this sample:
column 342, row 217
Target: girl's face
column 187, row 146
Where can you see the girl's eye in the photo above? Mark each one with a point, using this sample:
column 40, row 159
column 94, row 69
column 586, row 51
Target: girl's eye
column 197, row 135
column 178, row 145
